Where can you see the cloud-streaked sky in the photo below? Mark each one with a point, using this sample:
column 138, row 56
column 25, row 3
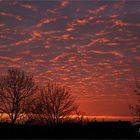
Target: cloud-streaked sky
column 92, row 47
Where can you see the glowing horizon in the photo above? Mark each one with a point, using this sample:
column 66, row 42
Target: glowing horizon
column 88, row 118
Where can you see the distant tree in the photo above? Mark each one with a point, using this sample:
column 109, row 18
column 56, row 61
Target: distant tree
column 136, row 108
column 16, row 88
column 57, row 103
column 80, row 116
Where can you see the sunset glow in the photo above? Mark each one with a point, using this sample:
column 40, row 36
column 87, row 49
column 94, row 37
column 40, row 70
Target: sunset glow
column 92, row 48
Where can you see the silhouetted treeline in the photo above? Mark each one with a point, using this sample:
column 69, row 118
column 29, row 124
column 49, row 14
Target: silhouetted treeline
column 70, row 130
column 22, row 99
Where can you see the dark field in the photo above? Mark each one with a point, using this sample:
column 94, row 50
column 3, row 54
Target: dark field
column 118, row 129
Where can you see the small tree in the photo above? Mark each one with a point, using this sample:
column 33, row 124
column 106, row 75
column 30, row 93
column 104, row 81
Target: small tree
column 136, row 108
column 16, row 88
column 80, row 117
column 57, row 103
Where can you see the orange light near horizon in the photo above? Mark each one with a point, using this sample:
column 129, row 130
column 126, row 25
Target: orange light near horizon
column 106, row 118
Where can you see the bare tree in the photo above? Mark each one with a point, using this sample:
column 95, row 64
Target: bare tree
column 136, row 108
column 34, row 111
column 16, row 88
column 57, row 103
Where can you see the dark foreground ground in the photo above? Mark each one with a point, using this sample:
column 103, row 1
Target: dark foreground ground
column 71, row 130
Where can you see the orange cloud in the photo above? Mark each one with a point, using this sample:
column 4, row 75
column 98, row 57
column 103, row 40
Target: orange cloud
column 64, row 3
column 99, row 9
column 11, row 59
column 67, row 37
column 79, row 22
column 115, row 53
column 29, row 6
column 119, row 23
column 17, row 17
column 61, row 56
column 93, row 42
column 36, row 34
column 70, row 29
column 45, row 21
column 22, row 42
column 114, row 16
column 39, row 61
column 102, row 33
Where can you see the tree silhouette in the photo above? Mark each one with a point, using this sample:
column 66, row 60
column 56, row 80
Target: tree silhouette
column 16, row 88
column 34, row 110
column 136, row 108
column 57, row 103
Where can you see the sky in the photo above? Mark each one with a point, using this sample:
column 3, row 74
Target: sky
column 91, row 47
